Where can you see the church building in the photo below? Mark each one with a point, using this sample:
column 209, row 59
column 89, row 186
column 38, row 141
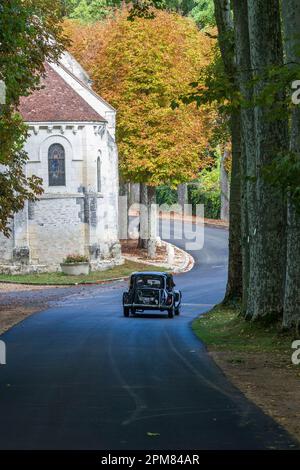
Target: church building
column 71, row 146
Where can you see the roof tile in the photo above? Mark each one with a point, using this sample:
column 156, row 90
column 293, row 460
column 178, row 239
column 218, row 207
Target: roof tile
column 57, row 101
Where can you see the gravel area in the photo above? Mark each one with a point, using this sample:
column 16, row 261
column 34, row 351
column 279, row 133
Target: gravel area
column 8, row 287
column 19, row 301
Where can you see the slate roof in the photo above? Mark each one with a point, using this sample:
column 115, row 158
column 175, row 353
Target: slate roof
column 57, row 101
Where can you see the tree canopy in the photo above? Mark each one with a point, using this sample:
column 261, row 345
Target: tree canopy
column 202, row 11
column 30, row 32
column 89, row 10
column 157, row 144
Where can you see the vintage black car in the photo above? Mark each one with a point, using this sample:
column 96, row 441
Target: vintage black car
column 151, row 291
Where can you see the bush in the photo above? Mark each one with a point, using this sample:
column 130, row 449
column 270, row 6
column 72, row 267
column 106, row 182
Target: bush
column 206, row 191
column 76, row 259
column 198, row 193
column 210, row 199
column 166, row 195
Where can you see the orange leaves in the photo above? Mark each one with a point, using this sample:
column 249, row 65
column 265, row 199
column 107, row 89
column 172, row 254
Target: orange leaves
column 140, row 66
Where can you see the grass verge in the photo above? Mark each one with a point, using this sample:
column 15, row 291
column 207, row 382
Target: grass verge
column 58, row 278
column 225, row 330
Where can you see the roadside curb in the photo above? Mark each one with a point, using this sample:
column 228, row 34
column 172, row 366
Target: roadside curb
column 186, row 265
column 83, row 283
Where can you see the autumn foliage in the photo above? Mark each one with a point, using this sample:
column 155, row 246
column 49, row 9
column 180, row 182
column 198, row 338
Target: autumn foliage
column 140, row 67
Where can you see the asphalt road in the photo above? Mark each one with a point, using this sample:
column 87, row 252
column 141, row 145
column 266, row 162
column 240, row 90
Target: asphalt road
column 82, row 376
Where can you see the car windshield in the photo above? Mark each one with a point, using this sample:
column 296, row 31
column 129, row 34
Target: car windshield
column 149, row 281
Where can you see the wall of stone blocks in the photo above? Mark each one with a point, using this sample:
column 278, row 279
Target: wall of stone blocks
column 6, row 249
column 55, row 230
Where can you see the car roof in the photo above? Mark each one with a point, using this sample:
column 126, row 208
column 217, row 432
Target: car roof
column 150, row 273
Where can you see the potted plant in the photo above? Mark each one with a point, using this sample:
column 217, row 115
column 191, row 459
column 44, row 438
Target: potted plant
column 74, row 265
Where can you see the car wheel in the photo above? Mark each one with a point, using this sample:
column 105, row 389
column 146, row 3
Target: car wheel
column 133, row 311
column 177, row 311
column 171, row 313
column 126, row 311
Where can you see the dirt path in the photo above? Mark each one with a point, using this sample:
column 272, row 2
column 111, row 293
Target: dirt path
column 268, row 380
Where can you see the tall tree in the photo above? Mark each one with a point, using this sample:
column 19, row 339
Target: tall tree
column 248, row 156
column 291, row 316
column 27, row 32
column 157, row 144
column 224, row 22
column 268, row 238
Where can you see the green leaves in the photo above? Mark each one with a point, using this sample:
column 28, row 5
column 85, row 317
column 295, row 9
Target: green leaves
column 27, row 32
column 30, row 33
column 141, row 67
column 284, row 173
column 273, row 90
column 203, row 13
column 90, row 10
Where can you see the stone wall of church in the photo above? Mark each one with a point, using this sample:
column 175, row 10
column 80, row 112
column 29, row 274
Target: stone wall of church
column 6, row 249
column 55, row 230
column 80, row 217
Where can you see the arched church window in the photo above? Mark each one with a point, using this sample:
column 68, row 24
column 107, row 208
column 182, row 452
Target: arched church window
column 56, row 165
column 99, row 174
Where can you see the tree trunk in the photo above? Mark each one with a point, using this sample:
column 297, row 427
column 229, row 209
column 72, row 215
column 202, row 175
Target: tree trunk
column 148, row 216
column 224, row 188
column 224, row 22
column 291, row 312
column 134, row 193
column 144, row 229
column 152, row 219
column 248, row 155
column 225, row 31
column 235, row 269
column 267, row 276
column 123, row 209
column 182, row 195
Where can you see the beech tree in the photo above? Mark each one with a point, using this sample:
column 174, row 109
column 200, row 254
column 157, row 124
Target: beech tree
column 267, row 277
column 248, row 156
column 257, row 59
column 224, row 22
column 291, row 315
column 270, row 164
column 157, row 144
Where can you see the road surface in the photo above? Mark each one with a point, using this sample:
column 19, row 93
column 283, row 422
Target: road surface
column 82, row 376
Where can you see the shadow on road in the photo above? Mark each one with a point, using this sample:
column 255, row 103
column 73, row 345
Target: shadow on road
column 156, row 316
